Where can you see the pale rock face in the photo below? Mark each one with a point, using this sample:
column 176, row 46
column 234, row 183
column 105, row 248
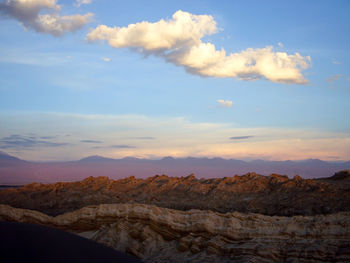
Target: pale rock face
column 157, row 234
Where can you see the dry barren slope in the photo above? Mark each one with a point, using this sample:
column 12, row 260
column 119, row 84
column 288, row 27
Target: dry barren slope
column 269, row 195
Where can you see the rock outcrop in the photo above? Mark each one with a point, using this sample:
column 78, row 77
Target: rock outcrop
column 269, row 195
column 157, row 234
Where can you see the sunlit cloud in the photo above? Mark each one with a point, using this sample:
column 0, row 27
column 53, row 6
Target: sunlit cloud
column 225, row 103
column 29, row 14
column 280, row 45
column 179, row 41
column 106, row 59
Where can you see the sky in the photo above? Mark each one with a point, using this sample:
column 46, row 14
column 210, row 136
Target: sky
column 232, row 79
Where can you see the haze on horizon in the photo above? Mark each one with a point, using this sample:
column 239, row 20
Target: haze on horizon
column 241, row 80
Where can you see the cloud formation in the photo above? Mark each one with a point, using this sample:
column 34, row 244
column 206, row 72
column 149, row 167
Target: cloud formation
column 241, row 137
column 78, row 3
column 333, row 78
column 29, row 14
column 90, row 141
column 225, row 103
column 122, row 146
column 179, row 41
column 175, row 136
column 106, row 59
column 16, row 141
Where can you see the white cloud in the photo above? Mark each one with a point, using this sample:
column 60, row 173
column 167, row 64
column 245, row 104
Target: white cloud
column 225, row 103
column 179, row 40
column 280, row 44
column 29, row 14
column 106, row 59
column 336, row 62
column 78, row 3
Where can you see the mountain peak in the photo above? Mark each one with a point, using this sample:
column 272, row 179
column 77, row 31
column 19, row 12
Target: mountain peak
column 6, row 157
column 313, row 161
column 168, row 158
column 95, row 158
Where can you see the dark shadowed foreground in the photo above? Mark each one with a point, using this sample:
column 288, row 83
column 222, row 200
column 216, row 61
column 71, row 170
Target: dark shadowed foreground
column 22, row 242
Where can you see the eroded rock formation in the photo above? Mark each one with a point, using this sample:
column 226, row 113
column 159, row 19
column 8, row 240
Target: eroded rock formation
column 157, row 234
column 269, row 195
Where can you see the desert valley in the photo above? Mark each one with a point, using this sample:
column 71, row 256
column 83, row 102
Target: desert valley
column 242, row 218
column 174, row 131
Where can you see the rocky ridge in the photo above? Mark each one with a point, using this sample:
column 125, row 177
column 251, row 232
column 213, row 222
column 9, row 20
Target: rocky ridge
column 157, row 234
column 250, row 193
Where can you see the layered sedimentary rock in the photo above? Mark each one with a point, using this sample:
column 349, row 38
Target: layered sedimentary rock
column 157, row 234
column 269, row 195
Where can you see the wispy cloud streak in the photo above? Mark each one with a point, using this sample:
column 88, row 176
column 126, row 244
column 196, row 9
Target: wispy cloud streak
column 241, row 137
column 15, row 141
column 333, row 78
column 90, row 141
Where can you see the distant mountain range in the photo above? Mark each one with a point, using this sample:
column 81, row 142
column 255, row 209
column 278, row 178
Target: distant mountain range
column 16, row 171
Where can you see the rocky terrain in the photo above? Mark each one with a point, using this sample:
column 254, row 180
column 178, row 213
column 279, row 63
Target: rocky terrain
column 157, row 234
column 268, row 195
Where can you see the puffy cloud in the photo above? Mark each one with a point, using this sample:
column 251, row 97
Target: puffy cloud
column 78, row 3
column 179, row 41
column 280, row 45
column 225, row 103
column 183, row 30
column 28, row 13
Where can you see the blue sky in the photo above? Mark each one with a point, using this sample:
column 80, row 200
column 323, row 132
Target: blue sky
column 65, row 83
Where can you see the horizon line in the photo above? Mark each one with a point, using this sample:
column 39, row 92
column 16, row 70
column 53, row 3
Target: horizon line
column 244, row 159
